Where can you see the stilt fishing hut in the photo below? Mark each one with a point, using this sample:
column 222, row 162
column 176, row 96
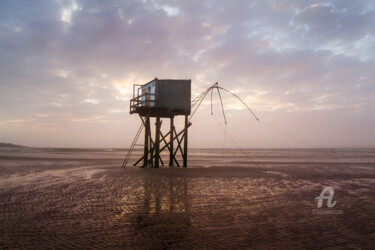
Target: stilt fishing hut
column 161, row 99
column 166, row 99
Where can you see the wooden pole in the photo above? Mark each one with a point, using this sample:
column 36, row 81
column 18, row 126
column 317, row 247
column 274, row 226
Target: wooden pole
column 186, row 141
column 177, row 135
column 171, row 155
column 157, row 142
column 145, row 149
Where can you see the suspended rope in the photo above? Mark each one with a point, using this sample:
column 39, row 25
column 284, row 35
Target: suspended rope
column 222, row 106
column 211, row 102
column 340, row 157
column 258, row 164
column 198, row 100
column 240, row 100
column 225, row 138
column 290, row 135
column 216, row 86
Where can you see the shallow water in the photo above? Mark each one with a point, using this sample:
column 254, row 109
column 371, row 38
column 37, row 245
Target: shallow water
column 81, row 198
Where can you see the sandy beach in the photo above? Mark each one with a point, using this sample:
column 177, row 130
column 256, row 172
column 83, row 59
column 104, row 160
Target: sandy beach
column 81, row 198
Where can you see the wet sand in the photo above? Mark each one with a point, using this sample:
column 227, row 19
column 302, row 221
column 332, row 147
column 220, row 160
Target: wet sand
column 81, row 198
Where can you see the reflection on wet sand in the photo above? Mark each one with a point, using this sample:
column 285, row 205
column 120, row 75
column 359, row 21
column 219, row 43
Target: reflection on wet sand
column 165, row 195
column 162, row 213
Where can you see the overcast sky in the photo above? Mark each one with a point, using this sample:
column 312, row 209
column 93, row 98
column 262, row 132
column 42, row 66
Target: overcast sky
column 306, row 67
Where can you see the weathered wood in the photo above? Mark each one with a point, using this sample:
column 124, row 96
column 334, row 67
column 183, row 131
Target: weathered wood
column 179, row 144
column 186, row 141
column 162, row 98
column 165, row 146
column 157, row 141
column 146, row 146
column 168, row 147
column 171, row 156
column 151, row 151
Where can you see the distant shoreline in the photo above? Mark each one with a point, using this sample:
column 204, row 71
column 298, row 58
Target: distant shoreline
column 10, row 145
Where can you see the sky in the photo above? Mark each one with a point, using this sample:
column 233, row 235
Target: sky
column 306, row 69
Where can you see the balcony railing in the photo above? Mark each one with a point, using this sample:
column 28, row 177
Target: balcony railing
column 142, row 101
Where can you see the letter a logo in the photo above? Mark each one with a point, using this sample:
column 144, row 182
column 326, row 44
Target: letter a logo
column 328, row 197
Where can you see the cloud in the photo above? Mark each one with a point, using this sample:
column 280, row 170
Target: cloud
column 68, row 61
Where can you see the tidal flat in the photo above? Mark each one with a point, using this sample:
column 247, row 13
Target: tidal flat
column 225, row 199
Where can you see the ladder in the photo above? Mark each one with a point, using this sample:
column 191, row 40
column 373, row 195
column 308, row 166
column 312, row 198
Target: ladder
column 134, row 143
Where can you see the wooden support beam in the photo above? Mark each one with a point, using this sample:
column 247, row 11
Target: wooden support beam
column 165, row 146
column 171, row 156
column 157, row 141
column 169, row 145
column 186, row 141
column 147, row 132
column 179, row 144
column 151, row 150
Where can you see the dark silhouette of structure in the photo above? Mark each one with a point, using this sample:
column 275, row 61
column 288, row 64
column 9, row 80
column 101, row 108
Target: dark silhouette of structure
column 167, row 99
column 161, row 99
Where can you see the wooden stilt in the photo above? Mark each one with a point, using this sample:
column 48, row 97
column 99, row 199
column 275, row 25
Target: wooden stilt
column 171, row 155
column 186, row 141
column 152, row 149
column 146, row 146
column 157, row 141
